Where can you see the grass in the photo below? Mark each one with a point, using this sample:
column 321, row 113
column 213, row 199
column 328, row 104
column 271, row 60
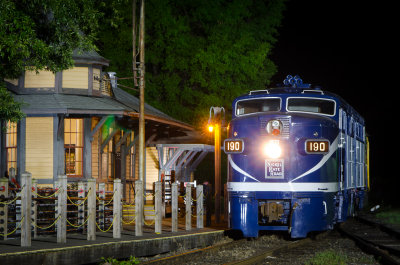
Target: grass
column 327, row 257
column 112, row 261
column 391, row 216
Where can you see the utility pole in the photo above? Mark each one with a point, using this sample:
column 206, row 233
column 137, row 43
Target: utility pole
column 217, row 121
column 141, row 97
column 138, row 73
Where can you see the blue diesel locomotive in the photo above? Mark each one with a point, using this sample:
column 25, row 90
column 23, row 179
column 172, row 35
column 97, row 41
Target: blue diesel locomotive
column 297, row 160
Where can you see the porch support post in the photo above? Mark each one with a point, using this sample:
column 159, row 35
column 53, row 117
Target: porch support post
column 199, row 206
column 174, row 206
column 26, row 198
column 91, row 224
column 139, row 208
column 117, row 209
column 188, row 207
column 158, row 207
column 62, row 209
column 87, row 148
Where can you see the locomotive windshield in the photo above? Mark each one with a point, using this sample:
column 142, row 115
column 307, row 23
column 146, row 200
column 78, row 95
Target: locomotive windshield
column 249, row 106
column 313, row 105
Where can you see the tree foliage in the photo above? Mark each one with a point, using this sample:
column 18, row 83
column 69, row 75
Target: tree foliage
column 199, row 53
column 43, row 34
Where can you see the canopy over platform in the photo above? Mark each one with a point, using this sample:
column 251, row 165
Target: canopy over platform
column 182, row 158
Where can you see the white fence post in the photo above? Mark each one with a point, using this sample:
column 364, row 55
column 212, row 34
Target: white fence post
column 26, row 200
column 34, row 207
column 199, row 207
column 174, row 207
column 158, row 207
column 117, row 209
column 62, row 209
column 188, row 206
column 91, row 224
column 102, row 196
column 81, row 207
column 3, row 207
column 139, row 208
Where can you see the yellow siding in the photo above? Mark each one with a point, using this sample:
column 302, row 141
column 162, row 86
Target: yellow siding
column 96, row 79
column 40, row 80
column 39, row 147
column 95, row 150
column 76, row 77
column 151, row 167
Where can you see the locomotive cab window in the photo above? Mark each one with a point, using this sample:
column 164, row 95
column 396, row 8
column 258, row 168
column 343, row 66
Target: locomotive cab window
column 312, row 105
column 250, row 106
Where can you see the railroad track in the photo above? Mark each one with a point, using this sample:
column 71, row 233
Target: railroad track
column 273, row 245
column 374, row 238
column 275, row 249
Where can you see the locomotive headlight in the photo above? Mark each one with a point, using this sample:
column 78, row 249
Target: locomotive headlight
column 274, row 127
column 272, row 149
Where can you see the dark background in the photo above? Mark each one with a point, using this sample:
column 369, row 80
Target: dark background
column 348, row 48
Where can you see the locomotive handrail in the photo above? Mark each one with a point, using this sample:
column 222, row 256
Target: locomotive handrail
column 312, row 91
column 258, row 91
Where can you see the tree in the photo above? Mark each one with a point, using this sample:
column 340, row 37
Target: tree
column 42, row 34
column 199, row 53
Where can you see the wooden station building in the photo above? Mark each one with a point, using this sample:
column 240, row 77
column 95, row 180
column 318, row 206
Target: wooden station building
column 79, row 124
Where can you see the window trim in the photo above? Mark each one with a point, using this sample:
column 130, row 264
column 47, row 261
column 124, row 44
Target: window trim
column 315, row 113
column 246, row 99
column 67, row 146
column 14, row 148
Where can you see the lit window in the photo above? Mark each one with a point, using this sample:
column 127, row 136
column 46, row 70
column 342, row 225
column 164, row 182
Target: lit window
column 73, row 144
column 11, row 145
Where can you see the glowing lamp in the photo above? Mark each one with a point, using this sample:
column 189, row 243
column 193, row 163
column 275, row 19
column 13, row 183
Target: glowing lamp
column 272, row 149
column 210, row 128
column 276, row 132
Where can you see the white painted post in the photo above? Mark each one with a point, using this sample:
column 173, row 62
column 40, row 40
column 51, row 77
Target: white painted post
column 62, row 209
column 81, row 207
column 56, row 186
column 91, row 224
column 174, row 207
column 158, row 207
column 199, row 207
column 102, row 196
column 3, row 207
column 139, row 207
column 26, row 196
column 34, row 207
column 117, row 209
column 188, row 206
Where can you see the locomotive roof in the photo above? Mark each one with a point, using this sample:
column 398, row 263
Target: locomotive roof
column 297, row 91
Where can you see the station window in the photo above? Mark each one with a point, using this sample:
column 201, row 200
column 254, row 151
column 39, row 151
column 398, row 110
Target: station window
column 11, row 145
column 73, row 145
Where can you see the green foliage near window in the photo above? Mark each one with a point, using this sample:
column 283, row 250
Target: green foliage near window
column 42, row 34
column 9, row 109
column 199, row 53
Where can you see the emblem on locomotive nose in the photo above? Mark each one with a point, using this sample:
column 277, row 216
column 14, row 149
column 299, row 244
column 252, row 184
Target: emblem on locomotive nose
column 274, row 127
column 316, row 134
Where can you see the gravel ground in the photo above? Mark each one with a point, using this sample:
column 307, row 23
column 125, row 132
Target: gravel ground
column 333, row 242
column 296, row 256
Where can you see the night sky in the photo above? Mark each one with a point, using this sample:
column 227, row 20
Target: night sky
column 347, row 49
